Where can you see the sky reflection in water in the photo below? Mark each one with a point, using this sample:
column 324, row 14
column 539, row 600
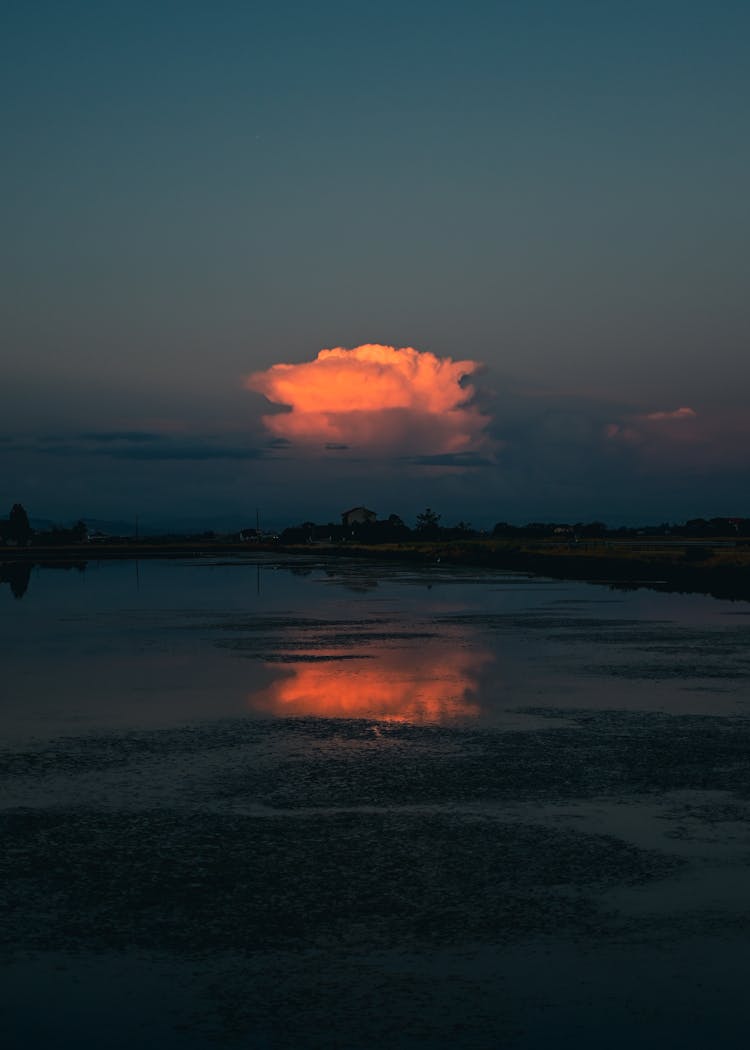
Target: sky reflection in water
column 116, row 645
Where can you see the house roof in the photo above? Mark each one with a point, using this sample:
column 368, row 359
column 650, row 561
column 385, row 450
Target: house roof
column 353, row 509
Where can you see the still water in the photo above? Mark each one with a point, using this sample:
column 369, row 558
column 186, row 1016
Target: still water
column 291, row 803
column 125, row 644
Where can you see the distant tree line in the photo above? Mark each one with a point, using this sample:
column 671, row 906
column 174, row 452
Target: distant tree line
column 695, row 527
column 392, row 529
column 428, row 527
column 16, row 531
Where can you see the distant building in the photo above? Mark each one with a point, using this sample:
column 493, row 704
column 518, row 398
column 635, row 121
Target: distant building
column 96, row 536
column 358, row 516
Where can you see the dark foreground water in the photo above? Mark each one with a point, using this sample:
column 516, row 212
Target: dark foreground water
column 293, row 804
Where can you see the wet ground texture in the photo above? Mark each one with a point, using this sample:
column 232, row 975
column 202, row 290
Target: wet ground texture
column 320, row 883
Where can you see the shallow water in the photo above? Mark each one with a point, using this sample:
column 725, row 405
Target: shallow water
column 161, row 643
column 289, row 803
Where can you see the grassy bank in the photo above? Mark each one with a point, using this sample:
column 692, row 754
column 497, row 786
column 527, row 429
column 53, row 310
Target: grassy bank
column 721, row 571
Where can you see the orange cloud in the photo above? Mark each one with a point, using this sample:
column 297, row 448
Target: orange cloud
column 390, row 687
column 636, row 429
column 376, row 397
column 678, row 413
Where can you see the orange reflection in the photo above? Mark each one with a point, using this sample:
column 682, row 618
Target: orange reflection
column 395, row 686
column 375, row 396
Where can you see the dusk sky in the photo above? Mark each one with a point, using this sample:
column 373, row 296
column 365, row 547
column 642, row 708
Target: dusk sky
column 519, row 230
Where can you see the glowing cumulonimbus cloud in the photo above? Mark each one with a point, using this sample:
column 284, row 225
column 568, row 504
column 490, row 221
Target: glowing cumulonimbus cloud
column 376, row 397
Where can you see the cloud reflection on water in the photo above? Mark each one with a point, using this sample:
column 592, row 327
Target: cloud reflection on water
column 439, row 684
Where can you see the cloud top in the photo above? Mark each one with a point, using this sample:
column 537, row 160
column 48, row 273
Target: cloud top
column 375, row 397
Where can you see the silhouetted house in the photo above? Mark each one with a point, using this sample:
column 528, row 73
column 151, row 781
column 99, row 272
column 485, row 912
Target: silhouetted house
column 358, row 516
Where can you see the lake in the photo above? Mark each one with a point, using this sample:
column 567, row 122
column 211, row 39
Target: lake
column 306, row 802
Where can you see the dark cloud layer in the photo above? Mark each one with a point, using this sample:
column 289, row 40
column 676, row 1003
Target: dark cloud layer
column 139, row 446
column 542, row 455
column 108, row 436
column 188, row 451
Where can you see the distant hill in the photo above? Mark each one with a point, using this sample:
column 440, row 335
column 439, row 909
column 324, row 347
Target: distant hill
column 147, row 526
column 111, row 528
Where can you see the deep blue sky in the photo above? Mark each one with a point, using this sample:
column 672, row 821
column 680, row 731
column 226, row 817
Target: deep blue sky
column 197, row 191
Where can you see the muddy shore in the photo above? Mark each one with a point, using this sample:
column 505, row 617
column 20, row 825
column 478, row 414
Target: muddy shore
column 310, row 884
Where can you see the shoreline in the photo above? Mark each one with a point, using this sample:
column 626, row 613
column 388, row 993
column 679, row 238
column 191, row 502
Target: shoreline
column 719, row 572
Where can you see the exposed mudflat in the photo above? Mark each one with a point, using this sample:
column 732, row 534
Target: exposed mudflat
column 313, row 883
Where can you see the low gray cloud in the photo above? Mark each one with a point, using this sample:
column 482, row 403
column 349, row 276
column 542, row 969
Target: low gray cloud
column 451, row 459
column 107, row 436
column 141, row 445
column 179, row 451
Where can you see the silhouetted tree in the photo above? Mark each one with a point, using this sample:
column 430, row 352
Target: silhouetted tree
column 428, row 523
column 19, row 528
column 393, row 529
column 462, row 530
column 591, row 529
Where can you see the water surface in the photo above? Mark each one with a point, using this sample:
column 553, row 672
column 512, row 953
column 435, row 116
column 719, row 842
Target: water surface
column 161, row 643
column 291, row 803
